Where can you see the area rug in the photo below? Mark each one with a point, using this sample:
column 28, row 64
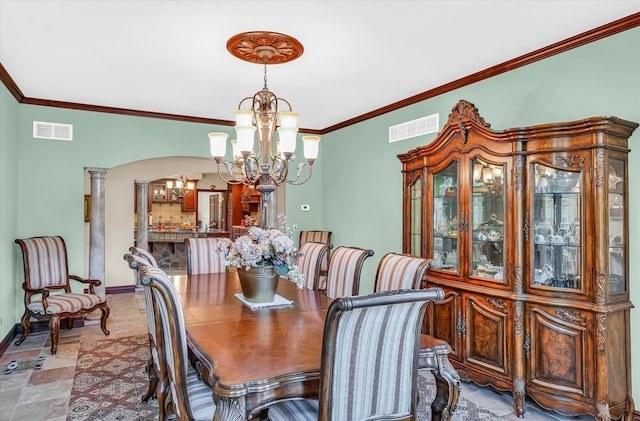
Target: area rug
column 110, row 381
column 465, row 411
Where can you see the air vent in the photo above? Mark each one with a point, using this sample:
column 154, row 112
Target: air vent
column 413, row 128
column 56, row 131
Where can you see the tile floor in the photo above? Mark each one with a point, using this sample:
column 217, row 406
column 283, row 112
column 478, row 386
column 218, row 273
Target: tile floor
column 39, row 395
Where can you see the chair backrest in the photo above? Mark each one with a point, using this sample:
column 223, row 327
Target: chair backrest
column 400, row 271
column 151, row 261
column 137, row 262
column 310, row 257
column 45, row 262
column 323, row 237
column 345, row 265
column 170, row 336
column 202, row 256
column 370, row 355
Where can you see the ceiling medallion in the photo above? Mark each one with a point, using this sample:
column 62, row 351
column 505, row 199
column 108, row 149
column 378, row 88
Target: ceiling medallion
column 265, row 47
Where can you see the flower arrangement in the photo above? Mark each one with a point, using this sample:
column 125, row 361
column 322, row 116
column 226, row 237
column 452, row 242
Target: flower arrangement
column 263, row 247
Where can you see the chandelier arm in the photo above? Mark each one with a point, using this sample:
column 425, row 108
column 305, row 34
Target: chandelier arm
column 286, row 102
column 295, row 181
column 251, row 170
column 228, row 180
column 281, row 176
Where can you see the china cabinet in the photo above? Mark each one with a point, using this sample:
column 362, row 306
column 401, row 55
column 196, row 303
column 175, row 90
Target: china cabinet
column 527, row 229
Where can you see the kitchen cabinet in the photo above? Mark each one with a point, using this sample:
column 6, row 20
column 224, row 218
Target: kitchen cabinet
column 528, row 232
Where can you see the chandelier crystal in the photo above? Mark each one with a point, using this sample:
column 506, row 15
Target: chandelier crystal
column 265, row 165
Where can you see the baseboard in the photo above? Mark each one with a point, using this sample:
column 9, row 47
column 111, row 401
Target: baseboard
column 43, row 326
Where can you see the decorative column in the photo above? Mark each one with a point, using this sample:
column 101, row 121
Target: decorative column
column 96, row 229
column 142, row 237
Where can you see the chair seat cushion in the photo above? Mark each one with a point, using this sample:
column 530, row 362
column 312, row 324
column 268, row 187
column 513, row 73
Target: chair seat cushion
column 67, row 303
column 298, row 410
column 200, row 397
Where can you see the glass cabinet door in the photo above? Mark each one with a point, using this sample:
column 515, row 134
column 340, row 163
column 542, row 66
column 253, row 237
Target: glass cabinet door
column 445, row 219
column 617, row 240
column 487, row 220
column 557, row 227
column 415, row 227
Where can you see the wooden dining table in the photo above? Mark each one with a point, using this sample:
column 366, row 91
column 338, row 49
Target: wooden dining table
column 253, row 357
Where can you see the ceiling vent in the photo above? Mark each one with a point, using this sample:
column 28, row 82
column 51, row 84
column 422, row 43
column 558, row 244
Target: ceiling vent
column 413, row 128
column 56, row 131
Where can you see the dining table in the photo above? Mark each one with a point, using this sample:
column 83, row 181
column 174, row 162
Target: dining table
column 253, row 357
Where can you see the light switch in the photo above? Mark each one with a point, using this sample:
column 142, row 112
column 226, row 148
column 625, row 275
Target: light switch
column 305, row 208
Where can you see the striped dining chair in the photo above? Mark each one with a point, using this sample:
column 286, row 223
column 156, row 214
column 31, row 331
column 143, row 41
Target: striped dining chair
column 138, row 251
column 136, row 262
column 403, row 271
column 202, row 256
column 310, row 257
column 400, row 271
column 47, row 288
column 369, row 364
column 188, row 397
column 343, row 276
column 323, row 237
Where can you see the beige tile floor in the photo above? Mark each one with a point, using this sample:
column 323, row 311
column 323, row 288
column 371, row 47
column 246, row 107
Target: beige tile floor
column 39, row 395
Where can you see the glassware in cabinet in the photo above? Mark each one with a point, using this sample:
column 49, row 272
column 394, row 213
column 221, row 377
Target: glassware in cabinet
column 445, row 219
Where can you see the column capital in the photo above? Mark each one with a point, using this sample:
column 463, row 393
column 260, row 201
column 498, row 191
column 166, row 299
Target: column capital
column 96, row 169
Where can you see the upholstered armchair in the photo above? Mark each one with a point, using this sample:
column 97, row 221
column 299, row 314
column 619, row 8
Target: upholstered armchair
column 202, row 256
column 343, row 276
column 369, row 362
column 47, row 288
column 311, row 256
column 187, row 397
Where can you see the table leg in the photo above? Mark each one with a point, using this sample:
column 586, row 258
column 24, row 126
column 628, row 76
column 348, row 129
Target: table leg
column 447, row 390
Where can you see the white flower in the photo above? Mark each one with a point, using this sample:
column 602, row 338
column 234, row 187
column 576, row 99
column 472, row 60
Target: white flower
column 260, row 247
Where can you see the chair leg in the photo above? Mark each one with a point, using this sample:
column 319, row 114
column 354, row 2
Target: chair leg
column 103, row 320
column 153, row 381
column 26, row 328
column 54, row 327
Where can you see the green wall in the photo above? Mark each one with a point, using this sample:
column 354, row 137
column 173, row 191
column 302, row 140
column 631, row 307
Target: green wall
column 356, row 188
column 8, row 210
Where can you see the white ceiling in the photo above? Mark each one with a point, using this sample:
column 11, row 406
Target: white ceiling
column 171, row 57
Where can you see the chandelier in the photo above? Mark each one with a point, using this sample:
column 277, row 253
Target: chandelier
column 180, row 187
column 266, row 166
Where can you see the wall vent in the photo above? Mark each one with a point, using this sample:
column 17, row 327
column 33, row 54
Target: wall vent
column 56, row 131
column 413, row 128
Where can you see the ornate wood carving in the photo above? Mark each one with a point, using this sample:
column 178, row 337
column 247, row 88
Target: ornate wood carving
column 601, row 333
column 601, row 294
column 464, row 110
column 517, row 310
column 571, row 160
column 461, row 326
column 411, row 179
column 517, row 280
column 517, row 173
column 463, row 224
column 519, row 395
column 572, row 317
column 603, row 411
column 525, row 225
column 599, row 169
column 497, row 304
column 527, row 343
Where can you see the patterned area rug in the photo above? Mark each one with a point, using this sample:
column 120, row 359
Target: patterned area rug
column 110, row 381
column 465, row 411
